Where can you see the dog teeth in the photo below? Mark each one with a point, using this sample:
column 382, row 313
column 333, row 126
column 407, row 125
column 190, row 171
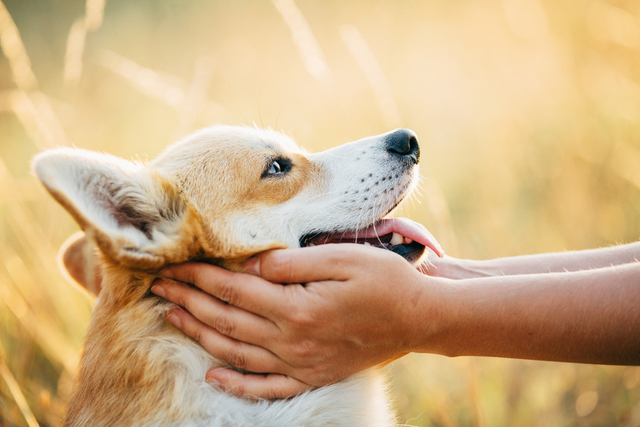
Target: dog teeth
column 367, row 244
column 407, row 241
column 396, row 239
column 310, row 245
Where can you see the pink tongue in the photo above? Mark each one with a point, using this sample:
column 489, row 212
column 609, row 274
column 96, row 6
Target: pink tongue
column 411, row 229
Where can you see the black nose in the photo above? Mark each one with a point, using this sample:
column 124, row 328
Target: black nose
column 403, row 143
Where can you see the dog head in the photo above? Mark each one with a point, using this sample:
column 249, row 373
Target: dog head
column 226, row 193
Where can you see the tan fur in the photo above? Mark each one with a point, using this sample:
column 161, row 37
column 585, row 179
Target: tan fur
column 272, row 193
column 114, row 364
column 76, row 259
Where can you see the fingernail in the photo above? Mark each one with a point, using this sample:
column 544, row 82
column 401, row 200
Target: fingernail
column 211, row 378
column 252, row 266
column 166, row 273
column 173, row 318
column 157, row 289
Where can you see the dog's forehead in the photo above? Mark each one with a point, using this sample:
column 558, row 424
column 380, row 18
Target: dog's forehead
column 218, row 145
column 252, row 139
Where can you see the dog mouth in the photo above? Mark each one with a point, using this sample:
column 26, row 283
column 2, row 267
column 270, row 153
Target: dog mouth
column 407, row 238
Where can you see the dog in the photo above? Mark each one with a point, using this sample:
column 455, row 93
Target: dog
column 220, row 195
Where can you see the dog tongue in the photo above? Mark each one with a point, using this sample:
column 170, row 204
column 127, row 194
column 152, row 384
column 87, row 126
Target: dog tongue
column 403, row 226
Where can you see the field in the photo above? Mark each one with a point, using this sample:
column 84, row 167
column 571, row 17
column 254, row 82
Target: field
column 527, row 111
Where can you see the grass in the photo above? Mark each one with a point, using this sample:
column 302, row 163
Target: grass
column 528, row 113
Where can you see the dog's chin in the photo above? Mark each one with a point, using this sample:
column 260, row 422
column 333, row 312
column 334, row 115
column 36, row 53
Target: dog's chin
column 399, row 235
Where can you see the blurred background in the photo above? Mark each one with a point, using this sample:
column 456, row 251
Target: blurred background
column 528, row 114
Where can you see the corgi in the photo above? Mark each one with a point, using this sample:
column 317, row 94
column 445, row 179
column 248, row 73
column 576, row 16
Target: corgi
column 220, row 195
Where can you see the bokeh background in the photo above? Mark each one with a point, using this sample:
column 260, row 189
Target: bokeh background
column 528, row 113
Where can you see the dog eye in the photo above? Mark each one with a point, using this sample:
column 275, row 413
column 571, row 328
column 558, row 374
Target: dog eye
column 275, row 168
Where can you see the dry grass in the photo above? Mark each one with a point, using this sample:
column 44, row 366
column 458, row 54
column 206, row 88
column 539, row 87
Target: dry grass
column 528, row 113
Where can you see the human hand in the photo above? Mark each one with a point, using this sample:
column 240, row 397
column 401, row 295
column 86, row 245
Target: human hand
column 446, row 267
column 357, row 308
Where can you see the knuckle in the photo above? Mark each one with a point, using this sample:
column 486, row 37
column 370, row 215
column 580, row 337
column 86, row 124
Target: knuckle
column 236, row 357
column 223, row 325
column 239, row 390
column 272, row 393
column 197, row 335
column 304, row 349
column 178, row 294
column 184, row 301
column 184, row 273
column 227, row 293
column 278, row 266
column 300, row 319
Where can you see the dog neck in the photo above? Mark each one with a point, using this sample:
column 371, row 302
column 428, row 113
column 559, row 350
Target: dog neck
column 128, row 365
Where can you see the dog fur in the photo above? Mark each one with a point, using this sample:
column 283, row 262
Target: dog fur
column 209, row 197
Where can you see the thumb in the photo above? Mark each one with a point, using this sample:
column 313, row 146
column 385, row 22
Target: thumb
column 304, row 265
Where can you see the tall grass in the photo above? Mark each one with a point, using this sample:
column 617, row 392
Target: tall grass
column 528, row 114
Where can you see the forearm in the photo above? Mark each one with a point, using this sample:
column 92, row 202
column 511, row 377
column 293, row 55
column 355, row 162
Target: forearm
column 588, row 316
column 533, row 264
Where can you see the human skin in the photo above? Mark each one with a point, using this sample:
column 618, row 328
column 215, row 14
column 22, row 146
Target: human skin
column 361, row 306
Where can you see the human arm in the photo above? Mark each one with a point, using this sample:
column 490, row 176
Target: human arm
column 372, row 306
column 557, row 262
column 590, row 316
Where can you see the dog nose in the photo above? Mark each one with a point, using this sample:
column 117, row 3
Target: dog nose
column 403, row 143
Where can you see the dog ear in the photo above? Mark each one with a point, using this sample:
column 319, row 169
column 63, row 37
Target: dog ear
column 137, row 218
column 76, row 259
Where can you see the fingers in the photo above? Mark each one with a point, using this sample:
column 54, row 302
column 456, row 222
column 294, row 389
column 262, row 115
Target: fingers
column 226, row 319
column 238, row 354
column 311, row 264
column 240, row 290
column 253, row 386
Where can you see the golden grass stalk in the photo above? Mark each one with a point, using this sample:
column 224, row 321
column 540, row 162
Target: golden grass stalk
column 94, row 13
column 374, row 74
column 47, row 115
column 196, row 97
column 474, row 394
column 304, row 39
column 29, row 234
column 92, row 20
column 189, row 100
column 439, row 209
column 35, row 113
column 6, row 101
column 26, row 111
column 38, row 325
column 16, row 393
column 147, row 81
column 13, row 49
column 443, row 411
column 75, row 50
